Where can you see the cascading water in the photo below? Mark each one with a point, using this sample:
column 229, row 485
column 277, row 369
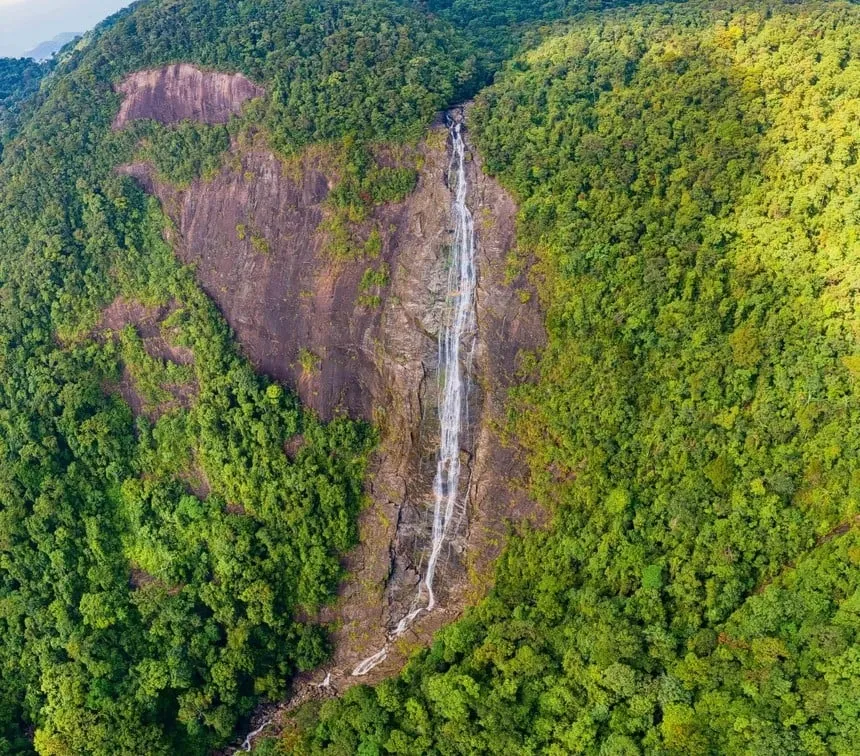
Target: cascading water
column 457, row 336
column 456, row 347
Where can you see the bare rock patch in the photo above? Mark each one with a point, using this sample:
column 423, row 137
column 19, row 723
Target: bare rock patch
column 148, row 323
column 182, row 92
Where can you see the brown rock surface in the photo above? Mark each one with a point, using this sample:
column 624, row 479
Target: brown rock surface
column 183, row 92
column 374, row 363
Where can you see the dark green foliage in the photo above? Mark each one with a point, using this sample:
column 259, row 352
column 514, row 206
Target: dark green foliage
column 19, row 78
column 135, row 614
column 498, row 28
column 688, row 184
column 377, row 69
column 366, row 183
column 185, row 152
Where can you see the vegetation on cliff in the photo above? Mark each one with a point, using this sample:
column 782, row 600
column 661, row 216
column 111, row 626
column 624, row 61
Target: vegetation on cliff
column 688, row 183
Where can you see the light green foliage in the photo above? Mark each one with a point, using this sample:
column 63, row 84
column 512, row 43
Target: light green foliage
column 151, row 376
column 373, row 244
column 260, row 244
column 364, row 184
column 375, row 278
column 309, row 362
column 371, row 285
column 688, row 184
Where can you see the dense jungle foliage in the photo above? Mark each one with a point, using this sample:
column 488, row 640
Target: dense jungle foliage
column 688, row 187
column 156, row 541
column 688, row 180
column 19, row 78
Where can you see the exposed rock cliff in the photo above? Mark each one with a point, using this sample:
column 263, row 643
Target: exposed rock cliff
column 183, row 92
column 285, row 297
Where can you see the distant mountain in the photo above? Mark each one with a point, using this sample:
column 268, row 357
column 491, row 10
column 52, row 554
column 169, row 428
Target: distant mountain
column 46, row 50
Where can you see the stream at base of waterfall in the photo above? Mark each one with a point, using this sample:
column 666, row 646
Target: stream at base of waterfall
column 456, row 350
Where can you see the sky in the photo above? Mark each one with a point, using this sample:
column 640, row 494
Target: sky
column 26, row 23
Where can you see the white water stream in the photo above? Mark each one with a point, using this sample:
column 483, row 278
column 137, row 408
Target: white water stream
column 456, row 348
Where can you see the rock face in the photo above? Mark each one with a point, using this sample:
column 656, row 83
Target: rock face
column 183, row 92
column 252, row 233
column 288, row 300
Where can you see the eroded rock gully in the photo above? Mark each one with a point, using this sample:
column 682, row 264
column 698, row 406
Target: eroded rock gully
column 377, row 363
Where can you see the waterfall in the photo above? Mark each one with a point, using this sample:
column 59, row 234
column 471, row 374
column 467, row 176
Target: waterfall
column 454, row 365
column 456, row 347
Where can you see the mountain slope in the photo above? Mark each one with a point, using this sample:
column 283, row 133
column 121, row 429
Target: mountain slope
column 688, row 180
column 206, row 186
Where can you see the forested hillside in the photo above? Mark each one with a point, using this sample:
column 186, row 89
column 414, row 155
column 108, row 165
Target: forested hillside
column 153, row 558
column 170, row 521
column 689, row 189
column 19, row 78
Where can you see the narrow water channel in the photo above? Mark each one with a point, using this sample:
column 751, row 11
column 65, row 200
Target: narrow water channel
column 456, row 347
